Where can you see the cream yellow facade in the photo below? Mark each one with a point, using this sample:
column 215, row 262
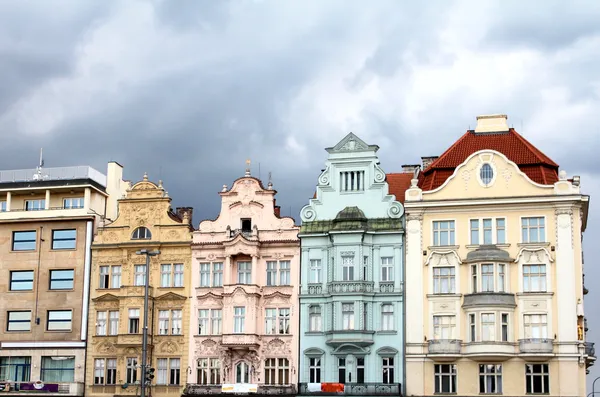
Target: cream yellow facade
column 495, row 299
column 145, row 221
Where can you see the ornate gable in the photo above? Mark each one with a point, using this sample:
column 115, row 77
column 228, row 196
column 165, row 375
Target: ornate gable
column 351, row 143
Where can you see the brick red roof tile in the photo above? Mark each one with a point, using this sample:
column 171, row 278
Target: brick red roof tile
column 538, row 167
column 399, row 183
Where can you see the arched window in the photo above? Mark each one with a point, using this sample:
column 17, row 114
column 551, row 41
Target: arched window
column 242, row 372
column 141, row 233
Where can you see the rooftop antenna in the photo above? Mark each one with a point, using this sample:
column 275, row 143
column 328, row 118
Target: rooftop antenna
column 270, row 185
column 259, row 170
column 248, row 167
column 38, row 169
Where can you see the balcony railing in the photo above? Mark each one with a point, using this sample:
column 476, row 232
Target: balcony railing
column 349, row 287
column 239, row 339
column 359, row 389
column 63, row 388
column 536, row 345
column 245, row 233
column 445, row 346
column 53, row 174
column 193, row 389
column 315, row 289
column 590, row 350
column 386, row 286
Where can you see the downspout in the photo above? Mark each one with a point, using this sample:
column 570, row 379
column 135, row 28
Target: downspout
column 403, row 388
column 37, row 284
column 86, row 293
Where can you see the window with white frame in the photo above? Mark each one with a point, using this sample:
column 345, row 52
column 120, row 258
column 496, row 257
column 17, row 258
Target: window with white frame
column 209, row 371
column 488, row 326
column 110, row 277
column 500, row 231
column 347, row 316
column 113, row 322
column 315, row 320
column 101, row 323
column 205, row 275
column 488, row 231
column 284, row 273
column 347, row 268
column 388, row 369
column 141, row 233
column 134, row 321
column 488, row 277
column 139, row 275
column 315, row 271
column 217, row 276
column 239, row 318
column 352, row 181
column 537, row 379
column 105, row 371
column 443, row 327
column 131, row 370
column 168, row 371
column 209, row 321
column 35, row 205
column 244, row 272
column 270, row 321
column 535, row 326
column 533, row 230
column 443, row 233
column 444, row 280
column 504, row 330
column 211, row 274
column 169, row 322
column 472, row 328
column 284, row 321
column 171, row 275
column 314, row 369
column 277, row 371
column 387, row 317
column 387, row 269
column 174, row 371
column 278, row 273
column 490, row 378
column 445, row 378
column 73, row 202
column 3, row 206
column 271, row 272
column 534, row 278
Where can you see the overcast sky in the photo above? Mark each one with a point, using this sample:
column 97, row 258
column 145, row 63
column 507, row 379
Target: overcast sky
column 188, row 90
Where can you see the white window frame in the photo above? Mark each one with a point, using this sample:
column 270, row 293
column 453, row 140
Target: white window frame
column 387, row 317
column 244, row 274
column 139, row 279
column 489, row 325
column 283, row 320
column 439, row 374
column 315, row 368
column 388, row 376
column 212, row 321
column 239, row 315
column 491, row 375
column 315, row 275
column 315, row 323
column 527, row 285
column 481, row 230
column 347, row 268
column 529, row 325
column 73, row 202
column 387, row 268
column 444, row 326
column 452, row 232
column 275, row 369
column 209, row 371
column 529, row 377
column 500, row 277
column 438, row 278
column 348, row 314
column 543, row 238
column 132, row 314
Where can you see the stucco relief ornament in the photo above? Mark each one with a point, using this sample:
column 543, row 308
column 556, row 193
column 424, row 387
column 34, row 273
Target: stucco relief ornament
column 379, row 174
column 211, row 257
column 507, row 174
column 324, row 177
column 395, row 210
column 466, row 176
column 111, row 237
column 308, row 213
column 169, row 347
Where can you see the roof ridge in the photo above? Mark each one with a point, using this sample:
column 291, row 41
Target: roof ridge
column 537, row 152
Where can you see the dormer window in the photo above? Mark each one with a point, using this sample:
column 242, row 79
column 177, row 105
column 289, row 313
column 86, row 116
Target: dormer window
column 246, row 225
column 141, row 233
column 352, row 181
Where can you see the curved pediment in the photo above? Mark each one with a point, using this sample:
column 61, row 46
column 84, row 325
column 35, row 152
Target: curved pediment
column 386, row 351
column 350, row 348
column 534, row 255
column 314, row 351
column 443, row 258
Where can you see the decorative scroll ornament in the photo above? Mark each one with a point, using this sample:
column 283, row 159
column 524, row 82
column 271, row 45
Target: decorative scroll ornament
column 396, row 210
column 324, row 177
column 308, row 213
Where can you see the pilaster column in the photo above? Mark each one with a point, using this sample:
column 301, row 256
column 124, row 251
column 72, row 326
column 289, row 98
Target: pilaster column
column 8, row 200
column 227, row 271
column 87, row 198
column 47, row 202
column 397, row 266
column 254, row 274
column 376, row 266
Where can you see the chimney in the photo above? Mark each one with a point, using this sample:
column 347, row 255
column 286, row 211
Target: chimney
column 185, row 213
column 492, row 123
column 115, row 188
column 410, row 167
column 276, row 209
column 427, row 160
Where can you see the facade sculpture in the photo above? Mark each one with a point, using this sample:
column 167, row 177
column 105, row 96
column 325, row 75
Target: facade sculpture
column 244, row 315
column 351, row 299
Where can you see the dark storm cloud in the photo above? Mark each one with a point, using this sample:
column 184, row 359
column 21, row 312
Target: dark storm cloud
column 188, row 90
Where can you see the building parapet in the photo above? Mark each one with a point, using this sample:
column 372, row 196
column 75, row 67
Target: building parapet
column 53, row 174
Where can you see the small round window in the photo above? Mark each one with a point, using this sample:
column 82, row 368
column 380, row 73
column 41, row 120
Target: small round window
column 486, row 173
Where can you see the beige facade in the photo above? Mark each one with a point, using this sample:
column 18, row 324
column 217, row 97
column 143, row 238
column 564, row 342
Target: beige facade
column 494, row 282
column 145, row 221
column 47, row 220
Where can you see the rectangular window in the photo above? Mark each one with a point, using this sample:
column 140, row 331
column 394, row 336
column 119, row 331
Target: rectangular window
column 131, row 370
column 217, row 275
column 17, row 368
column 239, row 318
column 500, row 231
column 443, row 327
column 314, row 369
column 59, row 320
column 352, row 181
column 490, row 379
column 174, row 371
column 178, row 275
column 314, row 315
column 244, row 272
column 284, row 321
column 487, row 277
column 203, row 319
column 504, row 327
column 387, row 269
column 64, row 239
column 488, row 327
column 165, row 276
column 443, row 280
column 537, row 379
column 474, row 278
column 35, row 205
column 474, row 231
column 284, row 273
column 162, row 367
column 445, row 378
column 113, row 319
column 487, row 231
column 104, row 277
column 116, row 277
column 341, row 370
column 58, row 369
column 100, row 323
column 534, row 278
column 176, row 322
column 205, row 275
column 163, row 322
column 134, row 321
column 388, row 370
column 277, row 371
column 216, row 315
column 209, row 371
column 62, row 279
column 347, row 316
column 533, row 230
column 270, row 321
column 105, row 371
column 2, row 206
column 21, row 280
column 140, row 275
column 360, row 370
column 535, row 326
column 271, row 273
column 347, row 268
column 472, row 328
column 24, row 240
column 73, row 202
column 501, row 277
column 387, row 317
column 443, row 233
column 315, row 271
column 19, row 321
column 110, row 277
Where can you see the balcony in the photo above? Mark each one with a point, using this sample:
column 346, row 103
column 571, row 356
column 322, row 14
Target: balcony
column 350, row 287
column 489, row 299
column 281, row 390
column 240, row 341
column 489, row 351
column 34, row 388
column 358, row 389
column 386, row 287
column 444, row 349
column 248, row 234
column 356, row 337
column 315, row 289
column 536, row 349
column 590, row 352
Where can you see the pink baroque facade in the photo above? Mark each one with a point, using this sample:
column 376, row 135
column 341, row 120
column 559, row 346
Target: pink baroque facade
column 245, row 277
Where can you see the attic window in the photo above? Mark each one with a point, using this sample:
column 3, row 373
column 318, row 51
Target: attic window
column 141, row 233
column 352, row 181
column 486, row 174
column 246, row 225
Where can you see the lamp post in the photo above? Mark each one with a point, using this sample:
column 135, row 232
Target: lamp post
column 593, row 392
column 144, row 366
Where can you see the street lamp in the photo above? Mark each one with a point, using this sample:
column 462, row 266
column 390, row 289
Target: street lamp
column 145, row 327
column 593, row 388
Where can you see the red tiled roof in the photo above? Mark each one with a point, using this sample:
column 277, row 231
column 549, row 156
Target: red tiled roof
column 538, row 167
column 399, row 183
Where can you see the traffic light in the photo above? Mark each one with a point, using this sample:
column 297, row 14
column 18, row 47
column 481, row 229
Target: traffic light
column 149, row 375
